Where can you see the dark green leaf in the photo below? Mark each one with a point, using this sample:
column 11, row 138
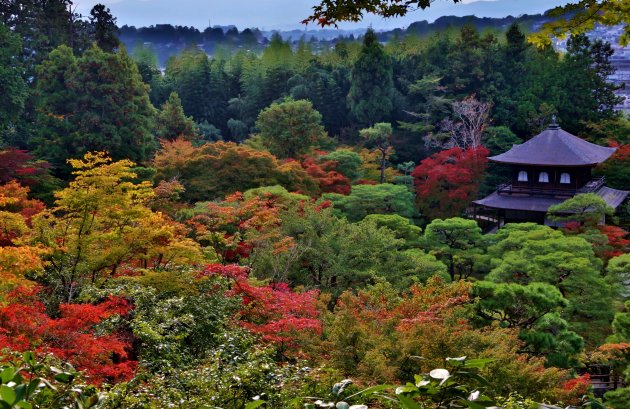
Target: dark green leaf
column 408, row 403
column 64, row 377
column 29, row 358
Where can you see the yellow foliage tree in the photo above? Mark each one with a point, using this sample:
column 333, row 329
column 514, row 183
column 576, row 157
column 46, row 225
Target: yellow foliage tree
column 371, row 165
column 581, row 16
column 102, row 222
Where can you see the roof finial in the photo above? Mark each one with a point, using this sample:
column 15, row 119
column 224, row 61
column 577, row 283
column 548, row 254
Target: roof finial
column 554, row 122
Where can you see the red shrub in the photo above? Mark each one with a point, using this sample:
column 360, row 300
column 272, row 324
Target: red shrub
column 448, row 181
column 24, row 325
column 274, row 311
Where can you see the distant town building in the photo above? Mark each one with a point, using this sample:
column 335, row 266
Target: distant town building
column 620, row 60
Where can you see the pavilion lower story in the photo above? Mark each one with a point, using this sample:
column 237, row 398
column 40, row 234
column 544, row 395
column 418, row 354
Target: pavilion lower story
column 495, row 210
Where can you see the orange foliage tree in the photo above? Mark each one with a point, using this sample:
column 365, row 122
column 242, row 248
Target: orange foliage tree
column 215, row 170
column 378, row 335
column 326, row 174
column 18, row 257
column 238, row 224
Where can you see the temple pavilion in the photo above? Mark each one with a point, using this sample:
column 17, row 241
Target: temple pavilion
column 548, row 169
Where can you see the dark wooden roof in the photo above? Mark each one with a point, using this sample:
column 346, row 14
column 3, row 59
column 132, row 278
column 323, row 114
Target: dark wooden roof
column 528, row 203
column 612, row 196
column 555, row 147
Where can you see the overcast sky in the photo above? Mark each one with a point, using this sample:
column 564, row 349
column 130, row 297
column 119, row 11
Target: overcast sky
column 287, row 14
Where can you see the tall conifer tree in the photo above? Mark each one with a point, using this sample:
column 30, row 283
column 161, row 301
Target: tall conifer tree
column 372, row 87
column 95, row 102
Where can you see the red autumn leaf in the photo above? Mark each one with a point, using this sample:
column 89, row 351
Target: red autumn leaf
column 25, row 325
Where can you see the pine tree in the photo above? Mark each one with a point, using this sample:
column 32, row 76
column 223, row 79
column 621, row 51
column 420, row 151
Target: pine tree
column 171, row 122
column 95, row 102
column 104, row 28
column 12, row 86
column 588, row 96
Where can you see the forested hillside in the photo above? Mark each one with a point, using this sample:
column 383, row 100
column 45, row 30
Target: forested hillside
column 288, row 227
column 167, row 40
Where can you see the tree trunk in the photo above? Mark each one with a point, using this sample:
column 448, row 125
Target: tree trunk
column 383, row 156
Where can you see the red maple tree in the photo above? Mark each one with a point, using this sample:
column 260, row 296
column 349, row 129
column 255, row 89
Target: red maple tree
column 275, row 312
column 448, row 180
column 616, row 239
column 25, row 325
column 22, row 166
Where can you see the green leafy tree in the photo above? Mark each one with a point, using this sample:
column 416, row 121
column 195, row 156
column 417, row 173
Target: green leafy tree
column 44, row 26
column 238, row 129
column 371, row 89
column 533, row 309
column 456, row 242
column 333, row 254
column 348, row 162
column 291, row 128
column 428, row 103
column 467, row 73
column 29, row 381
column 328, row 253
column 383, row 198
column 147, row 62
column 326, row 88
column 607, row 131
column 510, row 105
column 618, row 272
column 618, row 399
column 12, row 85
column 401, row 226
column 586, row 69
column 201, row 84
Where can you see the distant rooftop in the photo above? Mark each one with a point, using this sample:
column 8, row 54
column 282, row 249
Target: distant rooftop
column 555, row 147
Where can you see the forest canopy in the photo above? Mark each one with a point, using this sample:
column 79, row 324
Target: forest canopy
column 287, row 224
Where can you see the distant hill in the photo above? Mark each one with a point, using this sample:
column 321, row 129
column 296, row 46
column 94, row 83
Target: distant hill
column 168, row 40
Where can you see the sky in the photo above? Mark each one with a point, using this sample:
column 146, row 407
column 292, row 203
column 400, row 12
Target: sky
column 287, row 14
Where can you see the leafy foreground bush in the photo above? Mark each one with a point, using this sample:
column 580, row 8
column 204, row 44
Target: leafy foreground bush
column 26, row 382
column 459, row 387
